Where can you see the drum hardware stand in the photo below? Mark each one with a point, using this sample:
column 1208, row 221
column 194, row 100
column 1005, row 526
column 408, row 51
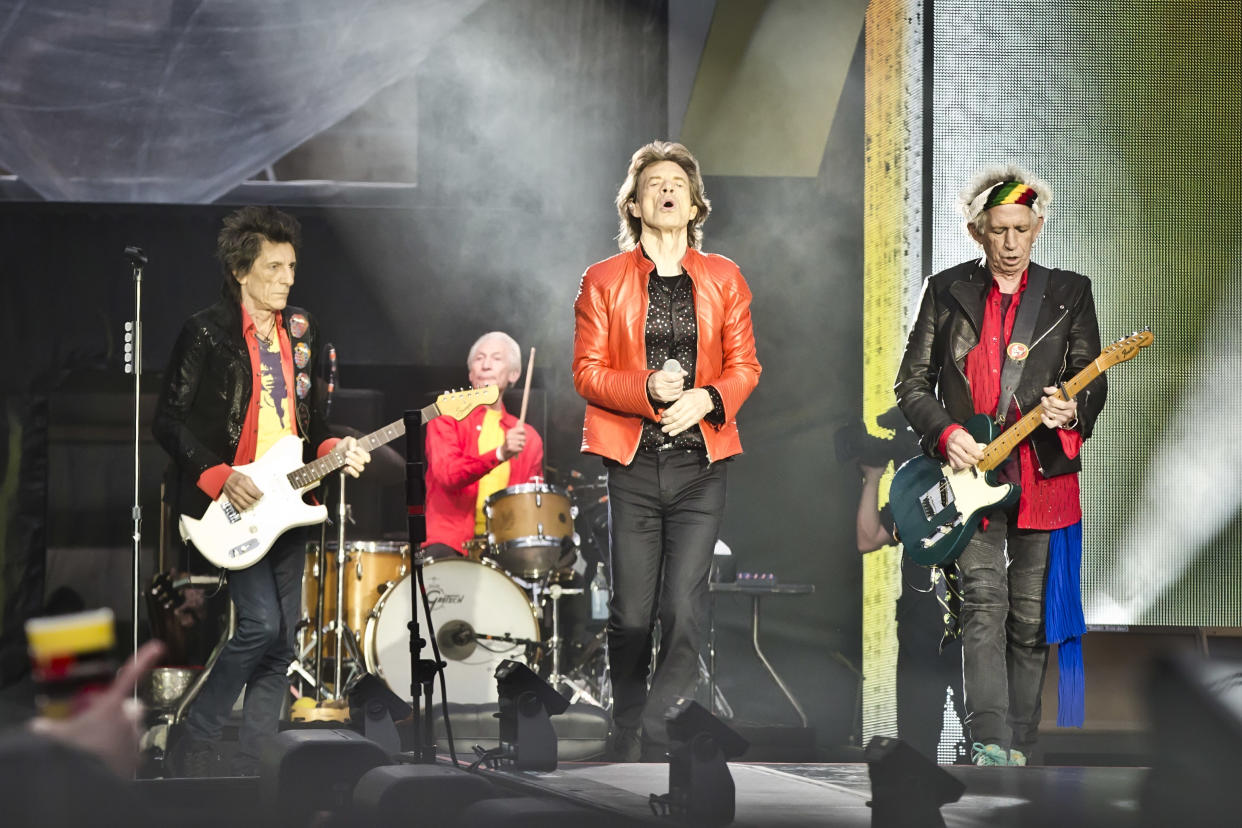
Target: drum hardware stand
column 321, row 560
column 597, row 676
column 313, row 651
column 342, row 554
column 346, row 642
column 555, row 677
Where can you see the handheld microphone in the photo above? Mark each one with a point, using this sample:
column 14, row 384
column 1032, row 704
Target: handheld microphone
column 672, row 366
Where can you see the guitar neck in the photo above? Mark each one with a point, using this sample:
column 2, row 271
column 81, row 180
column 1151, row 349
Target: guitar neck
column 1003, row 446
column 316, row 470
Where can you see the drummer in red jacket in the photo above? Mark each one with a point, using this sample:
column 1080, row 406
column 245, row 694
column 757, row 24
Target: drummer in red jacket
column 664, row 354
column 471, row 459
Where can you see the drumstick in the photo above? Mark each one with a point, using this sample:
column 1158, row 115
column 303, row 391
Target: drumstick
column 530, row 367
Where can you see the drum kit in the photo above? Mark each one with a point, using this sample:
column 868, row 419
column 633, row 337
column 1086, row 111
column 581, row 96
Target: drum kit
column 501, row 601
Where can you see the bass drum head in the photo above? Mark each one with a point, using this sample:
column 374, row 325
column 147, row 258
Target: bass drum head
column 466, row 598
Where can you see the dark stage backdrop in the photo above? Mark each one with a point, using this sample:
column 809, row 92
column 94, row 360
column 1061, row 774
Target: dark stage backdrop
column 506, row 217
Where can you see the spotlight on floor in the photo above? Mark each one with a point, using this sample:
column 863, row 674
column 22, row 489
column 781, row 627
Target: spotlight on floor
column 907, row 788
column 700, row 787
column 527, row 704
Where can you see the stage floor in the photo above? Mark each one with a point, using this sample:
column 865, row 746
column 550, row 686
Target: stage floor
column 780, row 795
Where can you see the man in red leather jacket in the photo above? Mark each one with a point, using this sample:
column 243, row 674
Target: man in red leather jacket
column 664, row 354
column 489, row 448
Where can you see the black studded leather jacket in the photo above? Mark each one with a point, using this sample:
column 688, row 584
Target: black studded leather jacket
column 202, row 408
column 932, row 389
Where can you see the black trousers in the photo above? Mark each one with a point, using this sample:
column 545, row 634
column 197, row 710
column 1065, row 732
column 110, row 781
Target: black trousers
column 664, row 513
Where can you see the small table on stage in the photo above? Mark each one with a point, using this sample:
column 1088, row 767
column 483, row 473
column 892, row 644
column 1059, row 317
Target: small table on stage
column 756, row 590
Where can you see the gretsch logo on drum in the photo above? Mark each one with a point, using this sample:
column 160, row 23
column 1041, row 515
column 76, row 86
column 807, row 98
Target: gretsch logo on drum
column 437, row 596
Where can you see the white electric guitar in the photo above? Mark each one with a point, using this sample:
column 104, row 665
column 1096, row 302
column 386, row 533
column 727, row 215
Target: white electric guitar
column 234, row 539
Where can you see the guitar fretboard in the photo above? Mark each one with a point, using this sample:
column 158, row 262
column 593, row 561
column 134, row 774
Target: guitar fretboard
column 317, row 469
column 1125, row 349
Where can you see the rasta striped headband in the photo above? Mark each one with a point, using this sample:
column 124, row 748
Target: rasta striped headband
column 1010, row 192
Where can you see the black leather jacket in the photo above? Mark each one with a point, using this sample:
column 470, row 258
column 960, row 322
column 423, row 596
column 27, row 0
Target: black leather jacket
column 202, row 408
column 932, row 389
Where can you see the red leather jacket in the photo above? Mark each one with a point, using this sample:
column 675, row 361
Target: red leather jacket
column 610, row 350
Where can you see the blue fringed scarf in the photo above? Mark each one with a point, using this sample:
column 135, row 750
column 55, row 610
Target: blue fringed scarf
column 1063, row 621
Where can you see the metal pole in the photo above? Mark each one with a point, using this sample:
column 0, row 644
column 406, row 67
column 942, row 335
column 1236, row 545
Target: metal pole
column 133, row 365
column 341, row 556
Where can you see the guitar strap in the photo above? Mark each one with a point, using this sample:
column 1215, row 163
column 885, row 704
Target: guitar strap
column 1019, row 341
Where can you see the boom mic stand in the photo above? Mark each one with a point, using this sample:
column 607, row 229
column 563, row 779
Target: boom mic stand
column 133, row 365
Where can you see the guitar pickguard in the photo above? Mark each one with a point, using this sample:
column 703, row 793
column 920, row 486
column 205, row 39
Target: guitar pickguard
column 230, row 511
column 936, row 508
column 937, row 499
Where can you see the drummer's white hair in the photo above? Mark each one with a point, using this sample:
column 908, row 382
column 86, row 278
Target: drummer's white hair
column 973, row 196
column 512, row 349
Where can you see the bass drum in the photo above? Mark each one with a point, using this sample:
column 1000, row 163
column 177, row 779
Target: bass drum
column 466, row 598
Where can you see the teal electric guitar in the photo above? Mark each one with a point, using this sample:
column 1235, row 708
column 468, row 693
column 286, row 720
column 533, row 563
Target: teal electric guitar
column 936, row 509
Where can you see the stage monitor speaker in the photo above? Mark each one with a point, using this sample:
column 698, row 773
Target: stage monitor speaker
column 373, row 703
column 907, row 788
column 303, row 772
column 527, row 704
column 700, row 786
column 427, row 795
column 1195, row 705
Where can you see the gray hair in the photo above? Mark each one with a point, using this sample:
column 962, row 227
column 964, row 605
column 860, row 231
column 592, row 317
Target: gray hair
column 632, row 226
column 513, row 350
column 973, row 196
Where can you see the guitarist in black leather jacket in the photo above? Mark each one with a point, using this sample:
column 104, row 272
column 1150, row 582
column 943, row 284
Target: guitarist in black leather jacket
column 238, row 380
column 953, row 368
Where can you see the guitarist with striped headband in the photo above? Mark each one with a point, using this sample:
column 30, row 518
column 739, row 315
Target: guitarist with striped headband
column 998, row 336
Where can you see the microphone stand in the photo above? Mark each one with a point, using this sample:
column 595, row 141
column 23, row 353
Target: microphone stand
column 133, row 365
column 423, row 671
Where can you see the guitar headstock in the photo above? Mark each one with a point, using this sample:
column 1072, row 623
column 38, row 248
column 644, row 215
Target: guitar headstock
column 459, row 404
column 1126, row 348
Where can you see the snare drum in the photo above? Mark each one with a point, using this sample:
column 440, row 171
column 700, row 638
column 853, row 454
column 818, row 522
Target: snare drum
column 527, row 525
column 466, row 598
column 369, row 566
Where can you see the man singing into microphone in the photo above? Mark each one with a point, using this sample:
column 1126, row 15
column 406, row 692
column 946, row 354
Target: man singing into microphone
column 664, row 354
